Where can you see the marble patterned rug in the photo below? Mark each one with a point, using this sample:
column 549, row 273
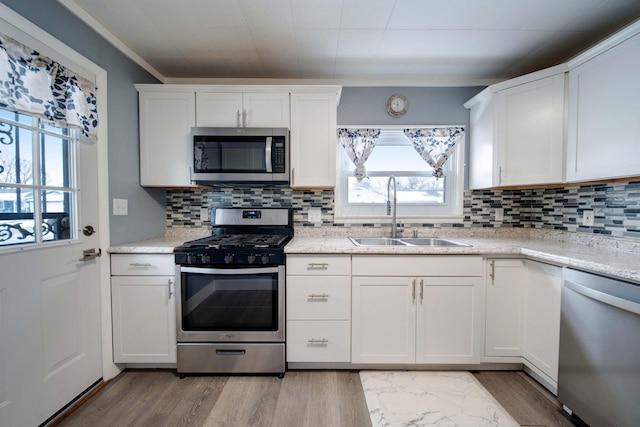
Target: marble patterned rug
column 430, row 398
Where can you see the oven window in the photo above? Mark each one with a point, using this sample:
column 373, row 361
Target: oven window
column 245, row 302
column 243, row 154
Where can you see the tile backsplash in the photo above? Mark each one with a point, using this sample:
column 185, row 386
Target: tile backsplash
column 616, row 207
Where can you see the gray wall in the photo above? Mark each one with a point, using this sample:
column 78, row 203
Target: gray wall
column 427, row 106
column 147, row 207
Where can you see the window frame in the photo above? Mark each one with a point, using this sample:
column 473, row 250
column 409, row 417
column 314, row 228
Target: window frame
column 451, row 211
column 39, row 131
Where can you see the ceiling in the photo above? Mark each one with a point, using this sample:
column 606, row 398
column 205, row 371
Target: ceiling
column 391, row 41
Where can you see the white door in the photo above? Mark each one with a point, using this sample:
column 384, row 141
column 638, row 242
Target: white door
column 50, row 331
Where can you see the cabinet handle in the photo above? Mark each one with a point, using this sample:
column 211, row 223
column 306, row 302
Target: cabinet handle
column 244, row 118
column 318, row 341
column 500, row 175
column 140, row 264
column 238, row 119
column 318, row 296
column 413, row 293
column 318, row 265
column 293, row 171
column 421, row 290
column 171, row 290
column 492, row 274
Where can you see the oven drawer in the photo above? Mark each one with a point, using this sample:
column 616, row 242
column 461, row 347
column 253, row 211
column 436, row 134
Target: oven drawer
column 238, row 358
column 314, row 341
column 142, row 265
column 318, row 298
column 319, row 265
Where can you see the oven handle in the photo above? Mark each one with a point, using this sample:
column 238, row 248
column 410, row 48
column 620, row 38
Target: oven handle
column 229, row 271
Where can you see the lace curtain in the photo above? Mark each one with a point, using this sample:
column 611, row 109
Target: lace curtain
column 358, row 143
column 37, row 85
column 435, row 145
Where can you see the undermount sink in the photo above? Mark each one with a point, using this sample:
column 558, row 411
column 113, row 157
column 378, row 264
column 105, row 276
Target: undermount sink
column 404, row 241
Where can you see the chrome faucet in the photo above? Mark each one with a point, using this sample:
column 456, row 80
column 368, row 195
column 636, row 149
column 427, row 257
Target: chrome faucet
column 394, row 227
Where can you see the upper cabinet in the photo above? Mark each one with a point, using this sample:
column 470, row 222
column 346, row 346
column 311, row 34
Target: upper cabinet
column 517, row 131
column 166, row 118
column 313, row 139
column 603, row 139
column 242, row 109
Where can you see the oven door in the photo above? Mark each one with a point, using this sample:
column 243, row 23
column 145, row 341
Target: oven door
column 230, row 304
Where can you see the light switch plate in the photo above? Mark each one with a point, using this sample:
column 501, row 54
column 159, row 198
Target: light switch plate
column 588, row 218
column 204, row 214
column 499, row 213
column 314, row 215
column 120, row 207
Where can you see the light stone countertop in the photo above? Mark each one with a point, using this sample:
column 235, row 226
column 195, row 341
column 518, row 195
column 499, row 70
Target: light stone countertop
column 597, row 259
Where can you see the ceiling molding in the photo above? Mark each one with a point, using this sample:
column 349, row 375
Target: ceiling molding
column 347, row 82
column 94, row 24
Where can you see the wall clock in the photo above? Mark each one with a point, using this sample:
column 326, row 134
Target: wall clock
column 397, row 105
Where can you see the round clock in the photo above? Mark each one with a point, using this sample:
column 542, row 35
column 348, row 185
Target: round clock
column 397, row 105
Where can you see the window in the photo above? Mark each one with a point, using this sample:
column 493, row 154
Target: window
column 38, row 188
column 420, row 196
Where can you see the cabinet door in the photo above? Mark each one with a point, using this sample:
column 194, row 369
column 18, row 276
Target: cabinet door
column 144, row 320
column 166, row 119
column 222, row 109
column 383, row 320
column 542, row 318
column 482, row 173
column 504, row 308
column 530, row 132
column 266, row 109
column 313, row 140
column 448, row 329
column 603, row 125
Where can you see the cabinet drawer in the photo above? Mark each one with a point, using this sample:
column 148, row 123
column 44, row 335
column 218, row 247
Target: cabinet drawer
column 142, row 265
column 317, row 265
column 318, row 298
column 417, row 265
column 311, row 341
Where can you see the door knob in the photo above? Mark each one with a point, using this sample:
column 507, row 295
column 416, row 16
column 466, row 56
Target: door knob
column 88, row 230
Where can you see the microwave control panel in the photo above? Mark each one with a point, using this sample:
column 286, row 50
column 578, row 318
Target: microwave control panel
column 278, row 156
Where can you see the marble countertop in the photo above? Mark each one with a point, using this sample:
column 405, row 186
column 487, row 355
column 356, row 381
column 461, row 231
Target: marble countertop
column 596, row 259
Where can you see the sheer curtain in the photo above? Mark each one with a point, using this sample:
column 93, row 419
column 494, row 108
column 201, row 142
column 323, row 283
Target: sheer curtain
column 33, row 84
column 358, row 143
column 435, row 145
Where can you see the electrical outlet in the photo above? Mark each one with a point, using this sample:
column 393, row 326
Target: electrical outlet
column 314, row 215
column 204, row 214
column 120, row 207
column 588, row 218
column 499, row 213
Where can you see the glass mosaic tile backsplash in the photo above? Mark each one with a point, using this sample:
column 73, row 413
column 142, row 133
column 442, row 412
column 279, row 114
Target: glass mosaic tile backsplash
column 616, row 207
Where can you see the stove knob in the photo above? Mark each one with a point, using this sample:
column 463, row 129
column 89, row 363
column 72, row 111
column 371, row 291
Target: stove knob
column 251, row 258
column 228, row 259
column 206, row 259
column 265, row 258
column 191, row 258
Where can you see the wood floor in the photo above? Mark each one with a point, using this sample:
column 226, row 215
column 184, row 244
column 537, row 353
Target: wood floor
column 301, row 399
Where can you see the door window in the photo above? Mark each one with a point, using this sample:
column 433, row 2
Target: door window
column 38, row 190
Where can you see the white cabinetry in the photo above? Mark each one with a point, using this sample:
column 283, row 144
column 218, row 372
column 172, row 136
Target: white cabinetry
column 416, row 309
column 143, row 308
column 517, row 131
column 313, row 140
column 166, row 118
column 603, row 128
column 542, row 319
column 242, row 109
column 318, row 308
column 504, row 312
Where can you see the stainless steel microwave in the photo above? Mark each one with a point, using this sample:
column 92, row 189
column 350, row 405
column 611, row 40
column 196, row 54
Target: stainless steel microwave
column 251, row 155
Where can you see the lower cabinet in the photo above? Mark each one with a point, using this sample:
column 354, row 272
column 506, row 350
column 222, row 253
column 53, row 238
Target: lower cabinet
column 143, row 309
column 416, row 318
column 318, row 308
column 542, row 289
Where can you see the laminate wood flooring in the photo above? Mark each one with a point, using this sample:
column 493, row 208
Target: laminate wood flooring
column 301, row 399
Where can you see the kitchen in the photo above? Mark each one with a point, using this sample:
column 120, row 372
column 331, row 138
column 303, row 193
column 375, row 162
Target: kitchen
column 542, row 209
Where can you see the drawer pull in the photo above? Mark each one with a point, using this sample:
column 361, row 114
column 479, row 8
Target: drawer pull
column 318, row 341
column 318, row 265
column 140, row 264
column 318, row 296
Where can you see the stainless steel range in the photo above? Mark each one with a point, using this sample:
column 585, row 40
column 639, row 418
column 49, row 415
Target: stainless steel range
column 231, row 294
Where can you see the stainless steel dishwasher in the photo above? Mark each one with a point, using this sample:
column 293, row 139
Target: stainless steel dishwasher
column 599, row 369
